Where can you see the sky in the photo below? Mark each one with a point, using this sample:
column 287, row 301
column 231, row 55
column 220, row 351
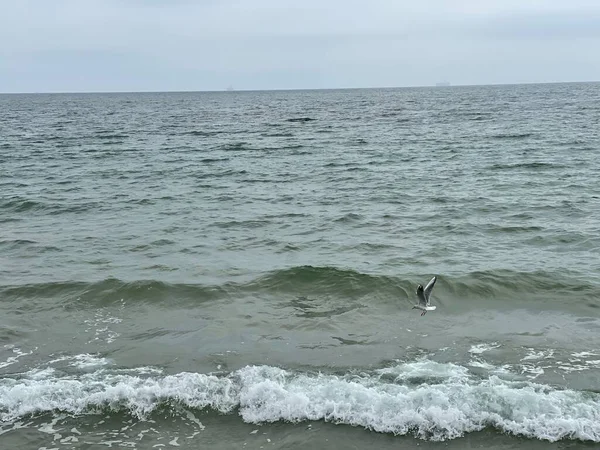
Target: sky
column 196, row 45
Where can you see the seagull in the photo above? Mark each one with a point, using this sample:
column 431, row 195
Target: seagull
column 424, row 295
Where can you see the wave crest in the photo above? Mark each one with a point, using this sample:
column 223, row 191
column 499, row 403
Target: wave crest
column 311, row 280
column 451, row 404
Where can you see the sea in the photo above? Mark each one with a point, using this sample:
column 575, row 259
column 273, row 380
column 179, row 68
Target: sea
column 237, row 270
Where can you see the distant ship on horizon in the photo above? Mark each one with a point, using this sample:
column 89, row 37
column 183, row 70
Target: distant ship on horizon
column 443, row 83
column 230, row 88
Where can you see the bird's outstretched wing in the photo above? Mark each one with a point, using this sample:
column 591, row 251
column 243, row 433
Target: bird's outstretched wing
column 429, row 288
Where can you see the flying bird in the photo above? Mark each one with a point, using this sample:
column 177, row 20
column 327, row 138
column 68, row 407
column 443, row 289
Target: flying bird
column 424, row 295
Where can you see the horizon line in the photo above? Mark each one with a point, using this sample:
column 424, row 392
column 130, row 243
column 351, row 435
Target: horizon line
column 227, row 90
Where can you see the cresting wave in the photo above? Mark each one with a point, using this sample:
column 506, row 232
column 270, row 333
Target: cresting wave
column 426, row 399
column 309, row 280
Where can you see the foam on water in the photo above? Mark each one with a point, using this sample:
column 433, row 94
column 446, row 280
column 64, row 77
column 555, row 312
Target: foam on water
column 584, row 354
column 101, row 324
column 427, row 399
column 482, row 348
column 534, row 355
column 82, row 361
column 425, row 370
column 18, row 353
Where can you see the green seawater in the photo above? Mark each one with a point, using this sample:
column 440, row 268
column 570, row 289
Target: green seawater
column 238, row 269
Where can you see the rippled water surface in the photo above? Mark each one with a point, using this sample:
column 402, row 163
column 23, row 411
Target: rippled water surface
column 237, row 269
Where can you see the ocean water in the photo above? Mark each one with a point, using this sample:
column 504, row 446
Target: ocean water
column 237, row 269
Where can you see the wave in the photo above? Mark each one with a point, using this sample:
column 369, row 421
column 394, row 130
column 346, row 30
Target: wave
column 531, row 165
column 201, row 133
column 429, row 400
column 17, row 242
column 235, row 147
column 349, row 217
column 512, row 135
column 18, row 204
column 251, row 223
column 212, row 160
column 20, row 244
column 301, row 119
column 475, row 285
column 112, row 291
column 110, row 135
column 314, row 280
column 23, row 205
column 286, row 134
column 325, row 280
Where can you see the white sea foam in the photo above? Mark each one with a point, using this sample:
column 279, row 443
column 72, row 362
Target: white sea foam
column 41, row 374
column 82, row 361
column 568, row 367
column 531, row 370
column 85, row 361
column 426, row 370
column 482, row 365
column 13, row 359
column 580, row 355
column 451, row 403
column 534, row 355
column 503, row 370
column 481, row 348
column 100, row 324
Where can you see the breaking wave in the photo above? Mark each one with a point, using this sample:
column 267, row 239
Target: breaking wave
column 429, row 400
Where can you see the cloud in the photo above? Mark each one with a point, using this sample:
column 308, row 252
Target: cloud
column 543, row 26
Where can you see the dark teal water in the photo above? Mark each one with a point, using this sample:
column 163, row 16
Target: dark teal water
column 237, row 269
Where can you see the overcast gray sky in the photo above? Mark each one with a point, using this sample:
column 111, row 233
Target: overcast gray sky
column 157, row 45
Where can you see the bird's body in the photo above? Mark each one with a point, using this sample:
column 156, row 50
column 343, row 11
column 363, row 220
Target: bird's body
column 424, row 295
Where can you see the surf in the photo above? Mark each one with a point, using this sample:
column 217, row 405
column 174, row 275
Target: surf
column 429, row 400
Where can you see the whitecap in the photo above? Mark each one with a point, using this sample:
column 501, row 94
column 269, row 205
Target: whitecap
column 481, row 348
column 449, row 405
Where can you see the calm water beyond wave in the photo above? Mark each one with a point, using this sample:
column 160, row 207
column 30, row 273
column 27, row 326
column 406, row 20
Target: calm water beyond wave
column 237, row 269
